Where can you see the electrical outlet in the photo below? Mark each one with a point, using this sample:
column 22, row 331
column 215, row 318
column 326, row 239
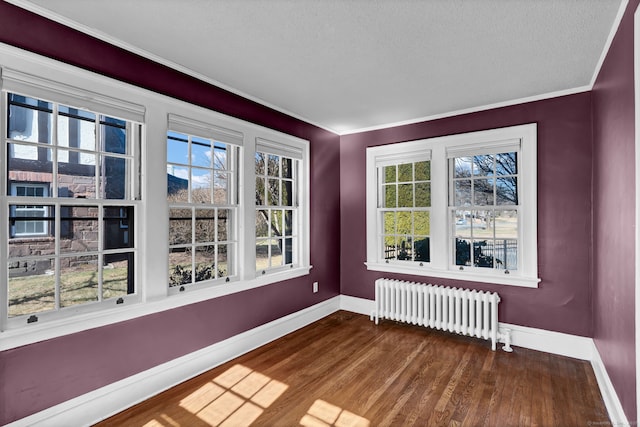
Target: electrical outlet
column 315, row 287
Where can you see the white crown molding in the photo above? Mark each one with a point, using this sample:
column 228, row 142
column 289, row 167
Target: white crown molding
column 607, row 44
column 509, row 103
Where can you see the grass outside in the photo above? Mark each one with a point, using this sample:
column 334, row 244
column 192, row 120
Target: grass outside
column 36, row 294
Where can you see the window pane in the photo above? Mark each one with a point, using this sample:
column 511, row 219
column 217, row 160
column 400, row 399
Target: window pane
column 179, row 266
column 276, row 252
column 205, row 263
column 201, row 152
column 404, row 224
column 24, row 166
column 462, row 253
column 267, row 254
column 177, row 184
column 31, row 124
column 31, row 286
column 221, row 261
column 118, row 227
column 287, row 193
column 259, row 163
column 115, row 175
column 405, row 195
column 462, row 223
column 422, row 249
column 262, row 223
column 405, row 172
column 220, row 188
column 273, row 192
column 421, row 223
column 179, row 226
column 224, row 216
column 205, row 225
column 287, row 171
column 389, row 247
column 462, row 192
column 389, row 196
column 201, row 181
column 260, row 192
column 507, row 163
column 115, row 139
column 76, row 179
column 273, row 165
column 277, row 223
column 483, row 192
column 220, row 157
column 389, row 220
column 390, row 173
column 506, row 224
column 483, row 165
column 405, row 248
column 79, row 229
column 78, row 280
column 177, row 149
column 483, row 251
column 288, row 251
column 423, row 171
column 288, row 222
column 117, row 275
column 507, row 191
column 462, row 167
column 423, row 194
column 76, row 132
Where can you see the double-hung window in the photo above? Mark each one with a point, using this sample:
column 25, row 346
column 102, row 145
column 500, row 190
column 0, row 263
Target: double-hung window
column 460, row 207
column 277, row 203
column 71, row 163
column 202, row 192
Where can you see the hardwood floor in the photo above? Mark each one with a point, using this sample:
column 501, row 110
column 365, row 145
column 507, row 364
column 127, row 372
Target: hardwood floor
column 345, row 371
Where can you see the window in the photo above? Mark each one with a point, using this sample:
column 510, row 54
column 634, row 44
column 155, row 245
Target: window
column 202, row 191
column 461, row 206
column 72, row 183
column 28, row 227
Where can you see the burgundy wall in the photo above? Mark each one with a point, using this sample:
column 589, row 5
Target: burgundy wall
column 563, row 300
column 37, row 376
column 614, row 214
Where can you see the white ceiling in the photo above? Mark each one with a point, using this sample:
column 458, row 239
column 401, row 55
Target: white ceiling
column 350, row 65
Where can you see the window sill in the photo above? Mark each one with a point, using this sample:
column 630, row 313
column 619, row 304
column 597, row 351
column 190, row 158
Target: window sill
column 37, row 332
column 466, row 275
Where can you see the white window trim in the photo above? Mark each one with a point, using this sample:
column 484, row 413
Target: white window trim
column 151, row 227
column 441, row 148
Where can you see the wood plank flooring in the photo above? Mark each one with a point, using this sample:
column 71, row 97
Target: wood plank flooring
column 345, row 371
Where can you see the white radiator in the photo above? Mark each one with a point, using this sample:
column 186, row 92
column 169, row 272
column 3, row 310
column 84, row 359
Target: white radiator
column 465, row 312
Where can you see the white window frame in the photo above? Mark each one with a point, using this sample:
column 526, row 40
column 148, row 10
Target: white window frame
column 441, row 263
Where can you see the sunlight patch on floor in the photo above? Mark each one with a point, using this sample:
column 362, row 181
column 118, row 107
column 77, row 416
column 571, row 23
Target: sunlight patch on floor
column 237, row 397
column 324, row 414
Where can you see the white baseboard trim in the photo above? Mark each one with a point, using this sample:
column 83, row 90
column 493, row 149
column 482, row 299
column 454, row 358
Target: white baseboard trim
column 578, row 347
column 609, row 395
column 113, row 398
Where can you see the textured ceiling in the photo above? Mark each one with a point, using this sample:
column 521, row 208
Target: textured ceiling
column 349, row 65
